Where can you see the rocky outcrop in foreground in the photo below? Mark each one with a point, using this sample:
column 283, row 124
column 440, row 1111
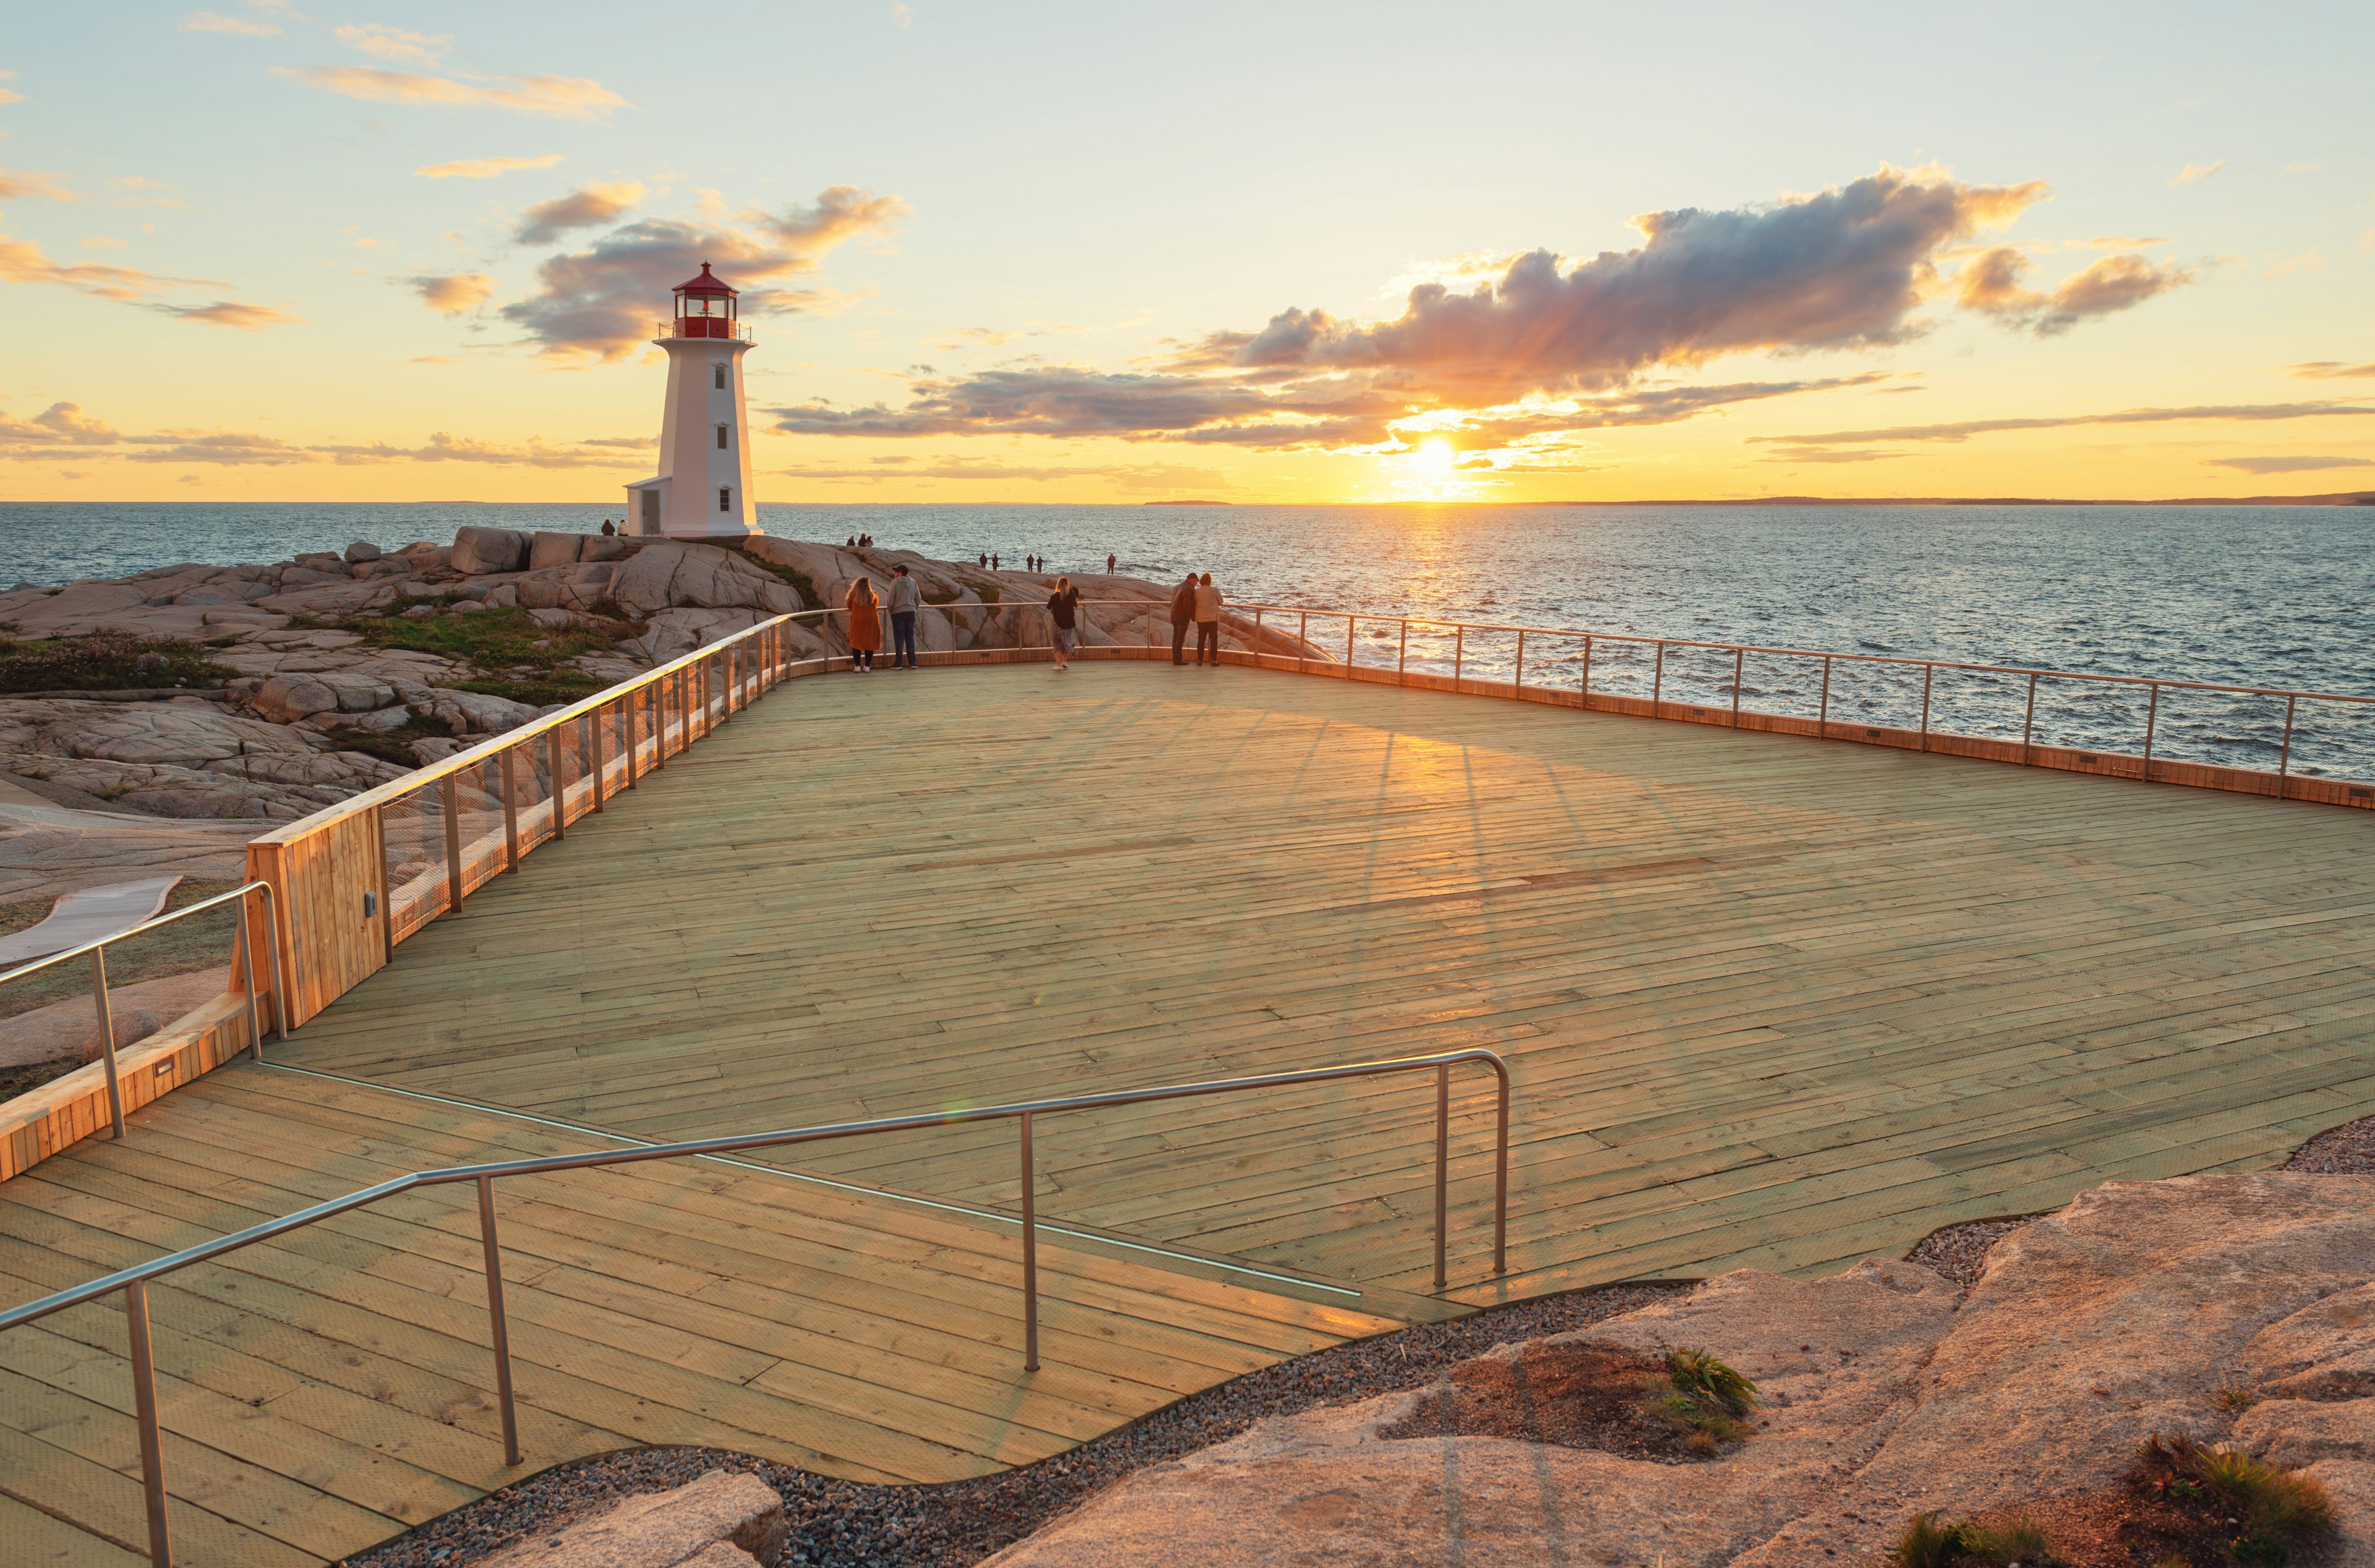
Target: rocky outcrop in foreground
column 2236, row 1309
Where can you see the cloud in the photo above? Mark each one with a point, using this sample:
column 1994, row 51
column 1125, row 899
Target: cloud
column 62, row 424
column 452, row 293
column 215, row 21
column 225, row 448
column 22, row 261
column 601, row 302
column 1127, row 476
column 1533, row 343
column 101, row 243
column 2118, row 242
column 1991, row 283
column 2308, row 261
column 484, row 168
column 2299, row 167
column 903, row 13
column 561, row 98
column 587, row 207
column 1815, row 455
column 1841, row 269
column 232, row 313
column 1960, row 430
column 972, row 337
column 2328, row 370
column 32, row 182
column 445, row 448
column 2194, row 172
column 394, row 43
column 2286, row 465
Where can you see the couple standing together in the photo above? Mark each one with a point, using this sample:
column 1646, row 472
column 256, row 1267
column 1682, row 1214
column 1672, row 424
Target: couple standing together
column 1198, row 601
column 866, row 621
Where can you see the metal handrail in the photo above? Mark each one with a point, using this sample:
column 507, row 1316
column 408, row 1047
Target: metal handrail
column 134, row 1281
column 241, row 957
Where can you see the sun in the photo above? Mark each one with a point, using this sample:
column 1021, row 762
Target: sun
column 1434, row 456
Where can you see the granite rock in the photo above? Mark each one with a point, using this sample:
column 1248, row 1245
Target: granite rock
column 680, row 1529
column 672, row 574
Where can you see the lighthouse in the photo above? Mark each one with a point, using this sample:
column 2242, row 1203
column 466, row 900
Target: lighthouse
column 702, row 489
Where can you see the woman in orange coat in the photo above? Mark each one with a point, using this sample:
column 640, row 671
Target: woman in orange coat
column 865, row 626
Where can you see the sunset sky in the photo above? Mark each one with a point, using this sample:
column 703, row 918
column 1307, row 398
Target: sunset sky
column 1084, row 253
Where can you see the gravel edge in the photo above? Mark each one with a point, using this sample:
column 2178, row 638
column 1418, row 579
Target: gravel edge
column 956, row 1524
column 839, row 1524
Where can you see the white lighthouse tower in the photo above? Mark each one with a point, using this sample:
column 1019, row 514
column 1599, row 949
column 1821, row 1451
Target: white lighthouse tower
column 703, row 489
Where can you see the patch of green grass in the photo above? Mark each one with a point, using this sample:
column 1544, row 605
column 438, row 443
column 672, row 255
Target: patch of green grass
column 1703, row 1397
column 2280, row 1507
column 1929, row 1542
column 799, row 582
column 106, row 661
column 515, row 657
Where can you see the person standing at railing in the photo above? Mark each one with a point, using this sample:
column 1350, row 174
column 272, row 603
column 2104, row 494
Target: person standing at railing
column 906, row 601
column 1063, row 615
column 1207, row 620
column 1183, row 616
column 865, row 626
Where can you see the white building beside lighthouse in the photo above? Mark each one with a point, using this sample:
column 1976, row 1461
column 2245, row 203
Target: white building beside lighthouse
column 702, row 489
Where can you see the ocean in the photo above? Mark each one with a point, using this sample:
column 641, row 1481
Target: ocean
column 2270, row 596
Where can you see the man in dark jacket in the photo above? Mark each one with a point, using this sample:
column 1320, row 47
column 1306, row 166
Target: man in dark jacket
column 1183, row 616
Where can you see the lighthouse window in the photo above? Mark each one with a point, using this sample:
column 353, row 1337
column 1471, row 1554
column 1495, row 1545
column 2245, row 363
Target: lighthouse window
column 725, row 498
column 721, row 436
column 717, row 379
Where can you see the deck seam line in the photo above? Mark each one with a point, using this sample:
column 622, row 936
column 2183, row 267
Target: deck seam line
column 943, row 1205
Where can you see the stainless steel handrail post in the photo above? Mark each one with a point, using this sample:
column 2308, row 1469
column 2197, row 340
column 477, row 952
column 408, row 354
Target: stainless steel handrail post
column 1351, row 625
column 272, row 944
column 496, row 1318
column 1442, row 1164
column 1256, row 649
column 1929, row 674
column 593, row 745
column 152, row 1439
column 1584, row 691
column 1501, row 1169
column 1302, row 642
column 107, row 1037
column 1823, row 718
column 1739, row 670
column 1518, row 682
column 2284, row 757
column 453, row 793
column 1657, row 680
column 510, row 807
column 559, row 786
column 1458, row 652
column 1030, row 1254
column 2152, row 719
column 1401, row 659
column 2028, row 721
column 244, row 960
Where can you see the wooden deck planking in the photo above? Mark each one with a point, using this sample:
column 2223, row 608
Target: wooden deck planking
column 1768, row 1002
column 324, row 1391
column 1701, row 950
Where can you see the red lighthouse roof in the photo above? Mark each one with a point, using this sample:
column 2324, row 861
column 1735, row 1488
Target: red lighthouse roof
column 705, row 284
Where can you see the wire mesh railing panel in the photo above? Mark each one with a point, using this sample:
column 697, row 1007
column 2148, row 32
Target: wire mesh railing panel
column 1701, row 676
column 413, row 830
column 1880, row 695
column 1988, row 704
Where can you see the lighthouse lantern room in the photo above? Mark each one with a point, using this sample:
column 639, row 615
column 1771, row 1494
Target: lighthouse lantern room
column 702, row 489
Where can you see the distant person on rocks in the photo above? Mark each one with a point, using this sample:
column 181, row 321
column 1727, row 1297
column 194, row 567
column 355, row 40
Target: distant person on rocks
column 993, row 561
column 981, row 560
column 905, row 599
column 1109, row 563
column 607, row 529
column 1063, row 614
column 1207, row 620
column 865, row 626
column 853, row 543
column 1183, row 616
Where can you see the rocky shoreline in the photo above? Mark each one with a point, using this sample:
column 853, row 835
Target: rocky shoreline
column 263, row 693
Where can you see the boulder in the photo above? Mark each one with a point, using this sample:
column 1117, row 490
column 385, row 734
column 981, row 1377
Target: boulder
column 477, row 551
column 672, row 632
column 672, row 574
column 553, row 549
column 361, row 550
column 504, row 596
column 387, row 568
column 347, row 598
column 436, row 748
column 2135, row 1310
column 285, row 698
column 602, row 547
column 477, row 712
column 722, row 1519
column 132, row 1026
